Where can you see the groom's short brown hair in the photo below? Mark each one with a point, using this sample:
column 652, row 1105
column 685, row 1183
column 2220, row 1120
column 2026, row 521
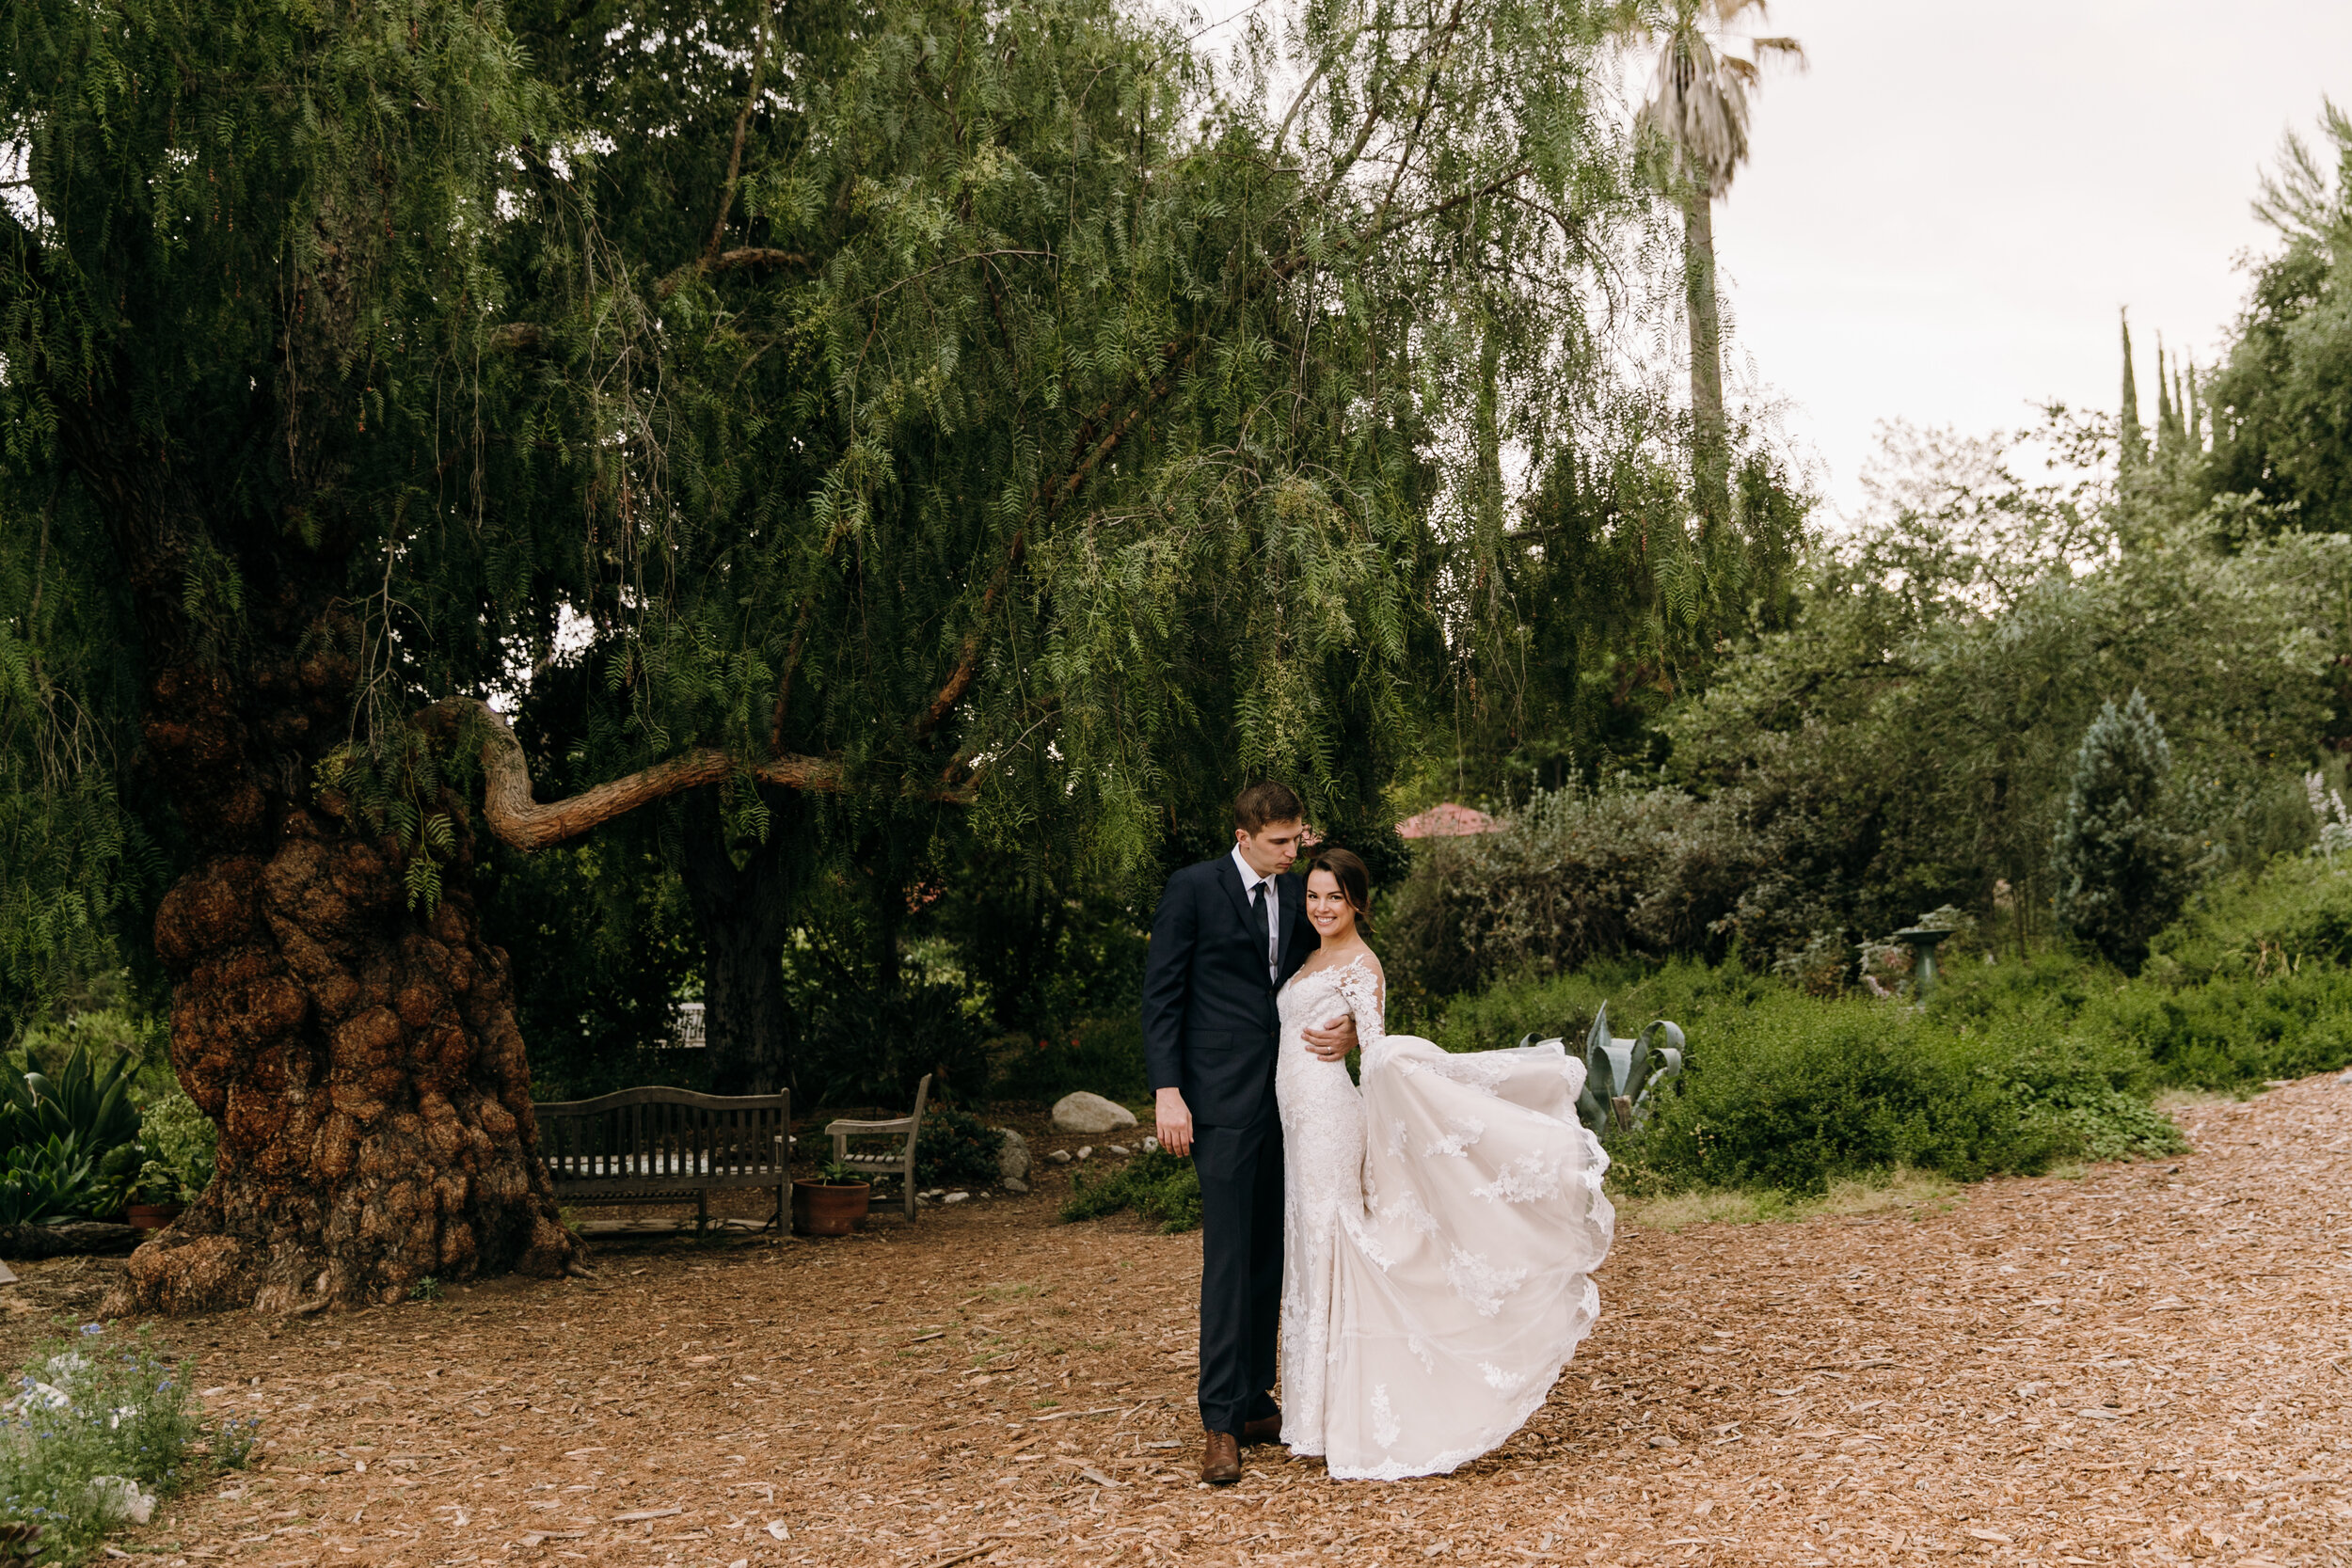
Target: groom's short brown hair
column 1266, row 802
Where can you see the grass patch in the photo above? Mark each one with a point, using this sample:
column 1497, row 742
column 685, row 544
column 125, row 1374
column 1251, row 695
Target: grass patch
column 1900, row 1190
column 1155, row 1184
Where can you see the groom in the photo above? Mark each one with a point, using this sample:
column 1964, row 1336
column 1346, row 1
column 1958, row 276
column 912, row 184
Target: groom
column 1228, row 933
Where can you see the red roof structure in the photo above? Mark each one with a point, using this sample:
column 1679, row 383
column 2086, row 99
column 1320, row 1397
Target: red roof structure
column 1447, row 820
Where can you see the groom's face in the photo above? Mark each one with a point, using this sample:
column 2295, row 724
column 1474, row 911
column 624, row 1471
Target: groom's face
column 1273, row 849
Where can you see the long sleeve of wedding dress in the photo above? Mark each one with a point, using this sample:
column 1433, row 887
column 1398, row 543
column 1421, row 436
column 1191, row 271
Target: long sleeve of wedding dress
column 1460, row 1272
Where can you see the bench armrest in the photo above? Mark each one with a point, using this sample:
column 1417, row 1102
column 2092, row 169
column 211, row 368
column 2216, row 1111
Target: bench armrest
column 862, row 1128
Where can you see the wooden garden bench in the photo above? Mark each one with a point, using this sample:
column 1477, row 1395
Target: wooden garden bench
column 656, row 1145
column 898, row 1162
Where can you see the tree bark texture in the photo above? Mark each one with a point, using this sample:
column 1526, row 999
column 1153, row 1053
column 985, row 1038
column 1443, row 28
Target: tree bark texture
column 359, row 1055
column 743, row 912
column 1711, row 441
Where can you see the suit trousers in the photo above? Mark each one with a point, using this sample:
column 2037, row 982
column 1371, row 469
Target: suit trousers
column 1241, row 1268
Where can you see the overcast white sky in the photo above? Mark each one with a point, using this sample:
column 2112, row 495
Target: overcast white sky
column 1945, row 212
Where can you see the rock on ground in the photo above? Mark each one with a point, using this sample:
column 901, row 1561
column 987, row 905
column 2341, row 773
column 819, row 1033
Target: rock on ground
column 1012, row 1155
column 1090, row 1113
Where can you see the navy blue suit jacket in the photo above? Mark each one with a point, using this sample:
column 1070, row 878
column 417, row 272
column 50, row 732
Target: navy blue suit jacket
column 1209, row 1021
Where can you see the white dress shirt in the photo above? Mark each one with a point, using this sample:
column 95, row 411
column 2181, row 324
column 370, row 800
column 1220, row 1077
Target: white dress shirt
column 1251, row 882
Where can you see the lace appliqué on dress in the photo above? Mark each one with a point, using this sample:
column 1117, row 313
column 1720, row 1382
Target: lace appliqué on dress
column 1480, row 1282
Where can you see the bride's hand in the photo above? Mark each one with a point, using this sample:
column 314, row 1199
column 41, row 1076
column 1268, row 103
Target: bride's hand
column 1331, row 1041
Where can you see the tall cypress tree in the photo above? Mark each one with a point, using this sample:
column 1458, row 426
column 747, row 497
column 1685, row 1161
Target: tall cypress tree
column 2119, row 873
column 2131, row 444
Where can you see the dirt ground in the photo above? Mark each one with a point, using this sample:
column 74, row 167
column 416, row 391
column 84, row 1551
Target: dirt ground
column 2148, row 1362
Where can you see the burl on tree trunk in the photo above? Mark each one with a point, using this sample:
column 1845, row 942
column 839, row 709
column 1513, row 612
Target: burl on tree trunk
column 360, row 1058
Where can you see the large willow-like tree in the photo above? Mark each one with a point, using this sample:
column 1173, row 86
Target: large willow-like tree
column 864, row 414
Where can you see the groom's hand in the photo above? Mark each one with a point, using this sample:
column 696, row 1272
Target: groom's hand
column 1331, row 1041
column 1175, row 1118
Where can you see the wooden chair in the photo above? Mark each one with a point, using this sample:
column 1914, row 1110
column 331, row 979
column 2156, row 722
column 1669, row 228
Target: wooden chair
column 901, row 1161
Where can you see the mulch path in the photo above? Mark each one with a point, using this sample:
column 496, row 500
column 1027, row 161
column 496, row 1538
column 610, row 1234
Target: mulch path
column 2146, row 1364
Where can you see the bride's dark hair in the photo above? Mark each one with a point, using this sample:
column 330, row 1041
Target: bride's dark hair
column 1354, row 883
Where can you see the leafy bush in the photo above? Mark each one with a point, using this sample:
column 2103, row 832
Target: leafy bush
column 89, row 1415
column 1103, row 1056
column 1162, row 1188
column 955, row 1149
column 2120, row 873
column 2012, row 1067
column 42, row 1183
column 181, row 1144
column 1578, row 876
column 1803, row 1093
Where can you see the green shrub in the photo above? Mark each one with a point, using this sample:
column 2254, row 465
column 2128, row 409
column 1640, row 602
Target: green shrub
column 955, row 1149
column 1162, row 1188
column 181, row 1144
column 1103, row 1056
column 92, row 1407
column 1801, row 1093
column 2014, row 1067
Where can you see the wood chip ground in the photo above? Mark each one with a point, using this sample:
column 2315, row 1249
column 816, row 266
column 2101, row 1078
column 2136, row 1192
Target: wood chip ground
column 2149, row 1364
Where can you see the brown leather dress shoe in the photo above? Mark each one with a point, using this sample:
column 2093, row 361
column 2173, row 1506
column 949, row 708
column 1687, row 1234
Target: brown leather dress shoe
column 1265, row 1429
column 1220, row 1460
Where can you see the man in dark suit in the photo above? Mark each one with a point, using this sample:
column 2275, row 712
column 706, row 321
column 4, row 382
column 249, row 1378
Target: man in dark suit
column 1228, row 933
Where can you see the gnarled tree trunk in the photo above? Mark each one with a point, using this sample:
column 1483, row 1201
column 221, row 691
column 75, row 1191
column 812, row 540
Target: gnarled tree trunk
column 359, row 1055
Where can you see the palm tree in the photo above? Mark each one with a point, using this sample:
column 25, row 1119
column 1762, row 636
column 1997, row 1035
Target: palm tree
column 1698, row 107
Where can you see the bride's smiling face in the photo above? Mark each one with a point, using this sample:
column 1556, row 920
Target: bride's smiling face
column 1327, row 909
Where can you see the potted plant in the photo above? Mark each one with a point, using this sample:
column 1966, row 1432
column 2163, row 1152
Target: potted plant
column 832, row 1205
column 152, row 1204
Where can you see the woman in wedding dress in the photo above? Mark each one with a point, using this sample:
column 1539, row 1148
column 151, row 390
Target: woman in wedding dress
column 1440, row 1225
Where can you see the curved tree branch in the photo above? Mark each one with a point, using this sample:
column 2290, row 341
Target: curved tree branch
column 527, row 825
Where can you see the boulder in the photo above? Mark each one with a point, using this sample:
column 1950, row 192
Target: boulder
column 1090, row 1113
column 1012, row 1155
column 1014, row 1184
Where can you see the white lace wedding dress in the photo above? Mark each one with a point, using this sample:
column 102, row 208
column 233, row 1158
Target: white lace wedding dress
column 1436, row 1276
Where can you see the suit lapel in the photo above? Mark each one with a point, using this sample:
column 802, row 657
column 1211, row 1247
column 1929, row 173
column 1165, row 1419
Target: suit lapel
column 1229, row 880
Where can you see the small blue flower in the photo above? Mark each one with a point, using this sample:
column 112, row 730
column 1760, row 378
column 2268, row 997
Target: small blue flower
column 93, row 1328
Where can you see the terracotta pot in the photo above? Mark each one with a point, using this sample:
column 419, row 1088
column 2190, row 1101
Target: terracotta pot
column 829, row 1209
column 150, row 1216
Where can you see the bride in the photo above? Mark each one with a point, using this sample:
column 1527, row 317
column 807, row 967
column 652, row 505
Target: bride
column 1440, row 1225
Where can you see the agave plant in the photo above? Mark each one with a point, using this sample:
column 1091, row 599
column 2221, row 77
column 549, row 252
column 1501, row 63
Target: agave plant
column 46, row 1180
column 79, row 1101
column 1622, row 1077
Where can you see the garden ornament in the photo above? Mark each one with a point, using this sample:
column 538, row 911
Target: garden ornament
column 1924, row 940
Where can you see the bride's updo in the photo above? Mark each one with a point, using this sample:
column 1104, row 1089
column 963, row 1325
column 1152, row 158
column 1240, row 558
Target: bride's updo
column 1355, row 883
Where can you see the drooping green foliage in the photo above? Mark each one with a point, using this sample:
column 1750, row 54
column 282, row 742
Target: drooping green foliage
column 2119, row 869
